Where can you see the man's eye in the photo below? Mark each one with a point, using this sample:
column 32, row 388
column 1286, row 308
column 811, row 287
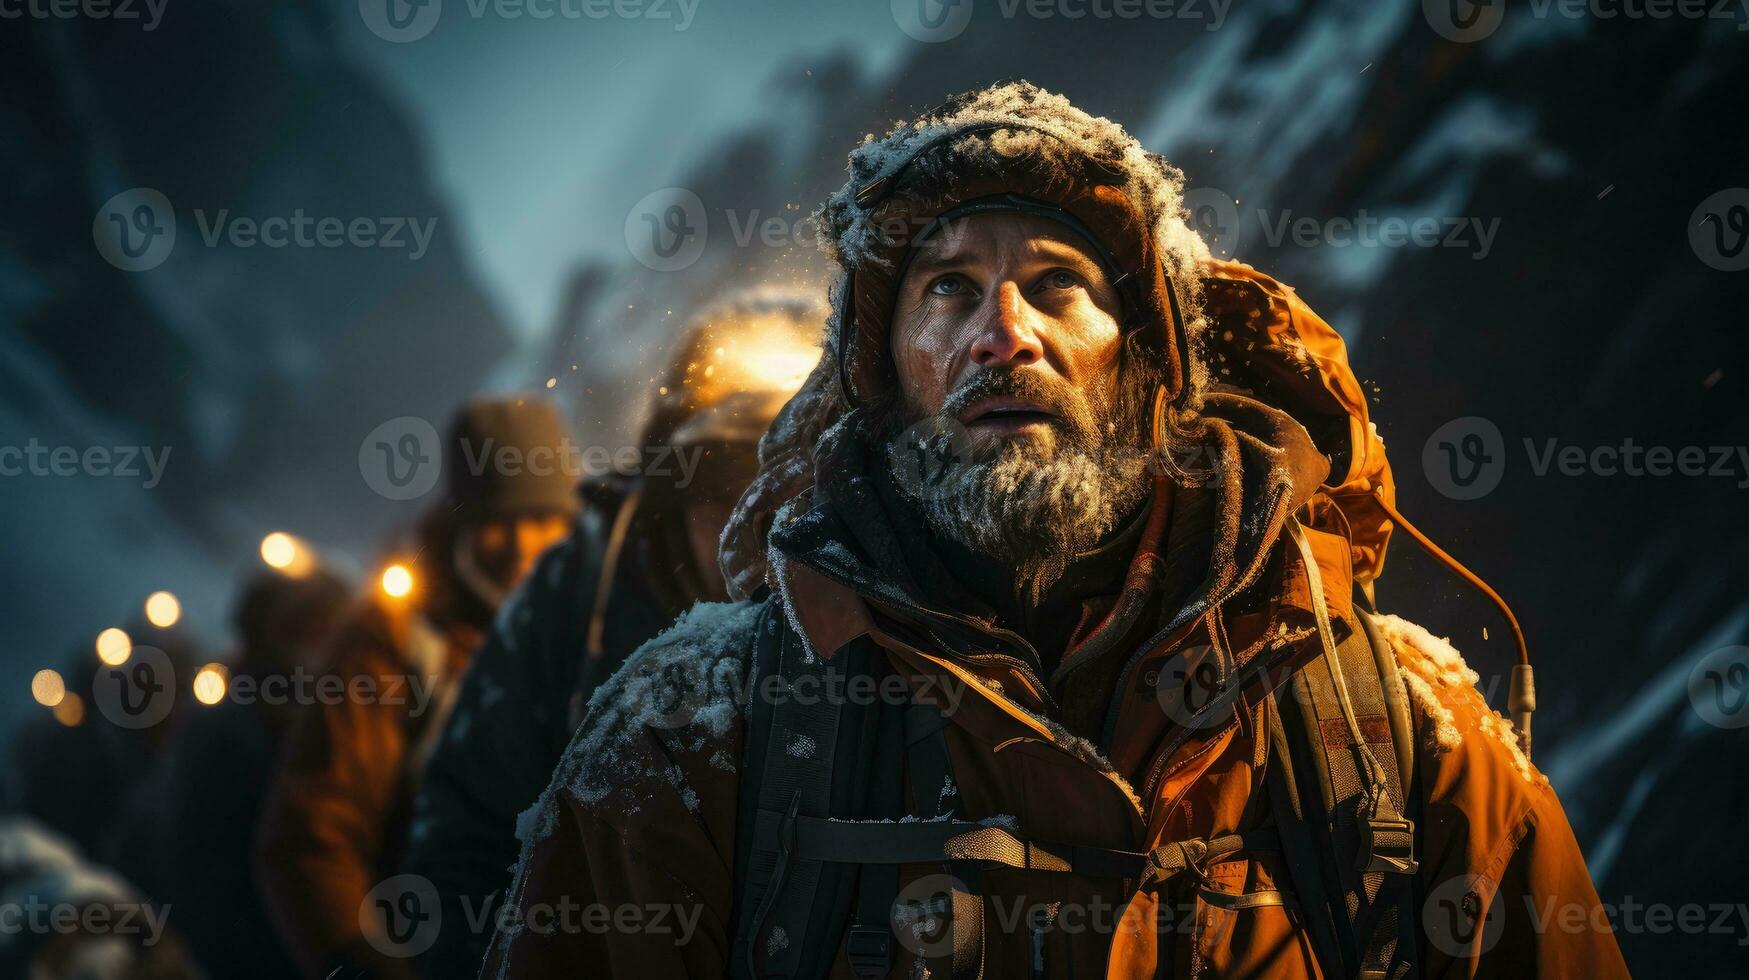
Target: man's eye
column 948, row 286
column 1061, row 279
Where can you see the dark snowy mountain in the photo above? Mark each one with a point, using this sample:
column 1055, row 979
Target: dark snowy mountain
column 257, row 369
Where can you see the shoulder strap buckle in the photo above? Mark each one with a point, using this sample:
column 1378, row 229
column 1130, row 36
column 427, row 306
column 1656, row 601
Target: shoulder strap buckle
column 1387, row 843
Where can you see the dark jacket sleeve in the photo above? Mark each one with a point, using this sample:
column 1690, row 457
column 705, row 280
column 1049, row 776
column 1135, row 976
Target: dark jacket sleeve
column 510, row 725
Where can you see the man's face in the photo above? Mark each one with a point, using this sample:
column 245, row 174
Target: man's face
column 506, row 550
column 1008, row 324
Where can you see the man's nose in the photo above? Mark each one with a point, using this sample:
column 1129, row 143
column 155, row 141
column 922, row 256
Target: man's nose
column 1010, row 334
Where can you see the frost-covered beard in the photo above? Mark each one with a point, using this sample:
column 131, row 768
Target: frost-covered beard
column 1031, row 503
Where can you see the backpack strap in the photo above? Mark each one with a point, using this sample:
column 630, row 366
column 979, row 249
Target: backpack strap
column 870, row 944
column 807, row 756
column 1342, row 808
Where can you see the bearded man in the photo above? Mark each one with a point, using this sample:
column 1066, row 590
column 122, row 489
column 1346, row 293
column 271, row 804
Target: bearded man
column 1052, row 662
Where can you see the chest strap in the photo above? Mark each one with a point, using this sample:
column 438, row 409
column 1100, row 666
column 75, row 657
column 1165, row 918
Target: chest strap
column 881, row 842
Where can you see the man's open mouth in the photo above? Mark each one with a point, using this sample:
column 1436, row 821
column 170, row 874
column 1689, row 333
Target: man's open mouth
column 1007, row 413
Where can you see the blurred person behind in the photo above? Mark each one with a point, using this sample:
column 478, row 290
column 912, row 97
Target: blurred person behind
column 643, row 551
column 336, row 818
column 216, row 781
column 45, row 883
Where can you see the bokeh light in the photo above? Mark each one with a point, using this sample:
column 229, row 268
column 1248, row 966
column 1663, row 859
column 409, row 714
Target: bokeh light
column 114, row 647
column 279, row 550
column 397, row 580
column 163, row 610
column 71, row 710
column 210, row 683
column 48, row 688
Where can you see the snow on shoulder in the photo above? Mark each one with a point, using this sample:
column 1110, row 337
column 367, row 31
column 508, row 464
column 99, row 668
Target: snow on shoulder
column 1439, row 680
column 685, row 687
